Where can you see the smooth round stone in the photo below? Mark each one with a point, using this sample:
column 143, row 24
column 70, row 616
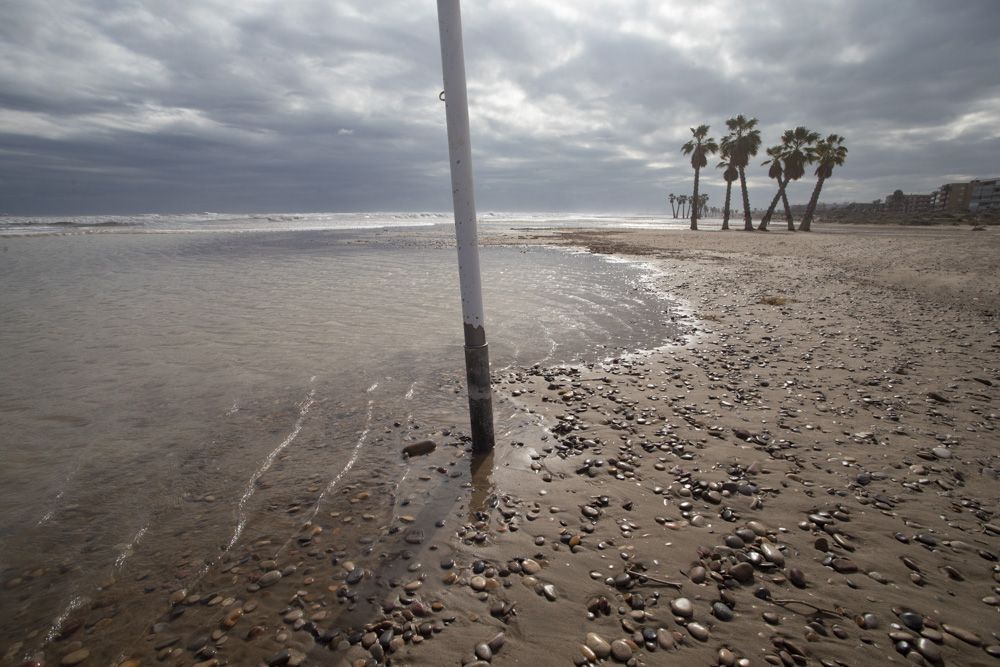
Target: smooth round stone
column 665, row 639
column 698, row 631
column 912, row 620
column 76, row 657
column 879, row 577
column 620, row 650
column 598, row 645
column 942, row 452
column 734, row 542
column 529, row 566
column 587, row 653
column 682, row 607
column 797, row 577
column 773, row 554
column 757, row 527
column 771, row 617
column 722, row 611
column 966, row 636
column 483, row 652
column 742, row 572
column 726, row 657
column 929, row 650
column 844, row 565
column 868, row 621
column 269, row 578
column 697, row 574
column 477, row 583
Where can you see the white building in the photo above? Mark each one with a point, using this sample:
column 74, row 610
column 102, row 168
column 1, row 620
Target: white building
column 985, row 195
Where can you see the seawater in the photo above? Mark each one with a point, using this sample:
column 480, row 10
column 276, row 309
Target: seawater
column 166, row 397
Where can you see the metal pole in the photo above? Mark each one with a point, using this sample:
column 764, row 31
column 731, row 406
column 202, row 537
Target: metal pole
column 477, row 357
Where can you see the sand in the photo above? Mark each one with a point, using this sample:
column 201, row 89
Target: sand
column 845, row 381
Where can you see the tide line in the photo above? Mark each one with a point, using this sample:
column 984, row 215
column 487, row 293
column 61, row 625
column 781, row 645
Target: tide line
column 265, row 466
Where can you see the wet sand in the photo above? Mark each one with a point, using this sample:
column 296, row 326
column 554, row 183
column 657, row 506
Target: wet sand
column 807, row 476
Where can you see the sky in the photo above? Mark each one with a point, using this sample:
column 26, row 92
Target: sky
column 128, row 106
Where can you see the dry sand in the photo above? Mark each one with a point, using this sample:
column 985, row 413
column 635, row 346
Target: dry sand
column 812, row 468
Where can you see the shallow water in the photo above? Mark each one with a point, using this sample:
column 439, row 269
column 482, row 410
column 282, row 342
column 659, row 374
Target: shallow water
column 167, row 397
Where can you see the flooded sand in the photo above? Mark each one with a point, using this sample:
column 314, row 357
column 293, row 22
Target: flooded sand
column 178, row 405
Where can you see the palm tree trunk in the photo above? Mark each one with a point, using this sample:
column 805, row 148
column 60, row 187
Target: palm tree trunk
column 725, row 210
column 694, row 209
column 806, row 224
column 788, row 209
column 747, row 221
column 766, row 220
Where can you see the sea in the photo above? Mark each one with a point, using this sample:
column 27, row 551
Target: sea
column 173, row 387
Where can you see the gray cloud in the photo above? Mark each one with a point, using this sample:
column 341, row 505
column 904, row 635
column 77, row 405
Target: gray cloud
column 152, row 105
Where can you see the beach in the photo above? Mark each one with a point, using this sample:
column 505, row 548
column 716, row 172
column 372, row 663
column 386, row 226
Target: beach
column 799, row 468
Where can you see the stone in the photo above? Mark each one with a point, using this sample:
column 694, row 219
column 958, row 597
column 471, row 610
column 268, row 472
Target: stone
column 928, row 649
column 773, row 554
column 269, row 578
column 698, row 631
column 742, row 572
column 966, row 636
column 722, row 611
column 529, row 566
column 620, row 650
column 598, row 645
column 477, row 583
column 483, row 652
column 682, row 607
column 420, row 448
column 797, row 577
column 76, row 657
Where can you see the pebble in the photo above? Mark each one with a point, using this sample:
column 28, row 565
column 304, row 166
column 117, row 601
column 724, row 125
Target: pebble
column 529, row 566
column 478, row 583
column 665, row 639
column 966, row 636
column 420, row 448
column 773, row 554
column 269, row 578
column 698, row 631
column 76, row 657
column 797, row 577
column 722, row 611
column 598, row 645
column 928, row 649
column 682, row 607
column 742, row 572
column 620, row 650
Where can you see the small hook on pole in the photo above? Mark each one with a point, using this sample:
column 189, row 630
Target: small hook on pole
column 441, row 96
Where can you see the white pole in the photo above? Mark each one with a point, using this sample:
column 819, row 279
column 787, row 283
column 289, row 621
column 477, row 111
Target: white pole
column 477, row 360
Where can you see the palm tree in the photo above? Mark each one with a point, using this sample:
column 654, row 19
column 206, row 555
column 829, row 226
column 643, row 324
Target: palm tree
column 702, row 202
column 744, row 142
column 699, row 147
column 788, row 160
column 672, row 199
column 828, row 153
column 730, row 174
column 776, row 171
column 682, row 205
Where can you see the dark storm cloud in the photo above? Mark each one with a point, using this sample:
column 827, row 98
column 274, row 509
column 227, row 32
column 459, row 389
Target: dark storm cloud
column 322, row 105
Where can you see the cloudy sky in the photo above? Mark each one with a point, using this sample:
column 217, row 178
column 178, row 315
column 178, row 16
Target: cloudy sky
column 577, row 105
